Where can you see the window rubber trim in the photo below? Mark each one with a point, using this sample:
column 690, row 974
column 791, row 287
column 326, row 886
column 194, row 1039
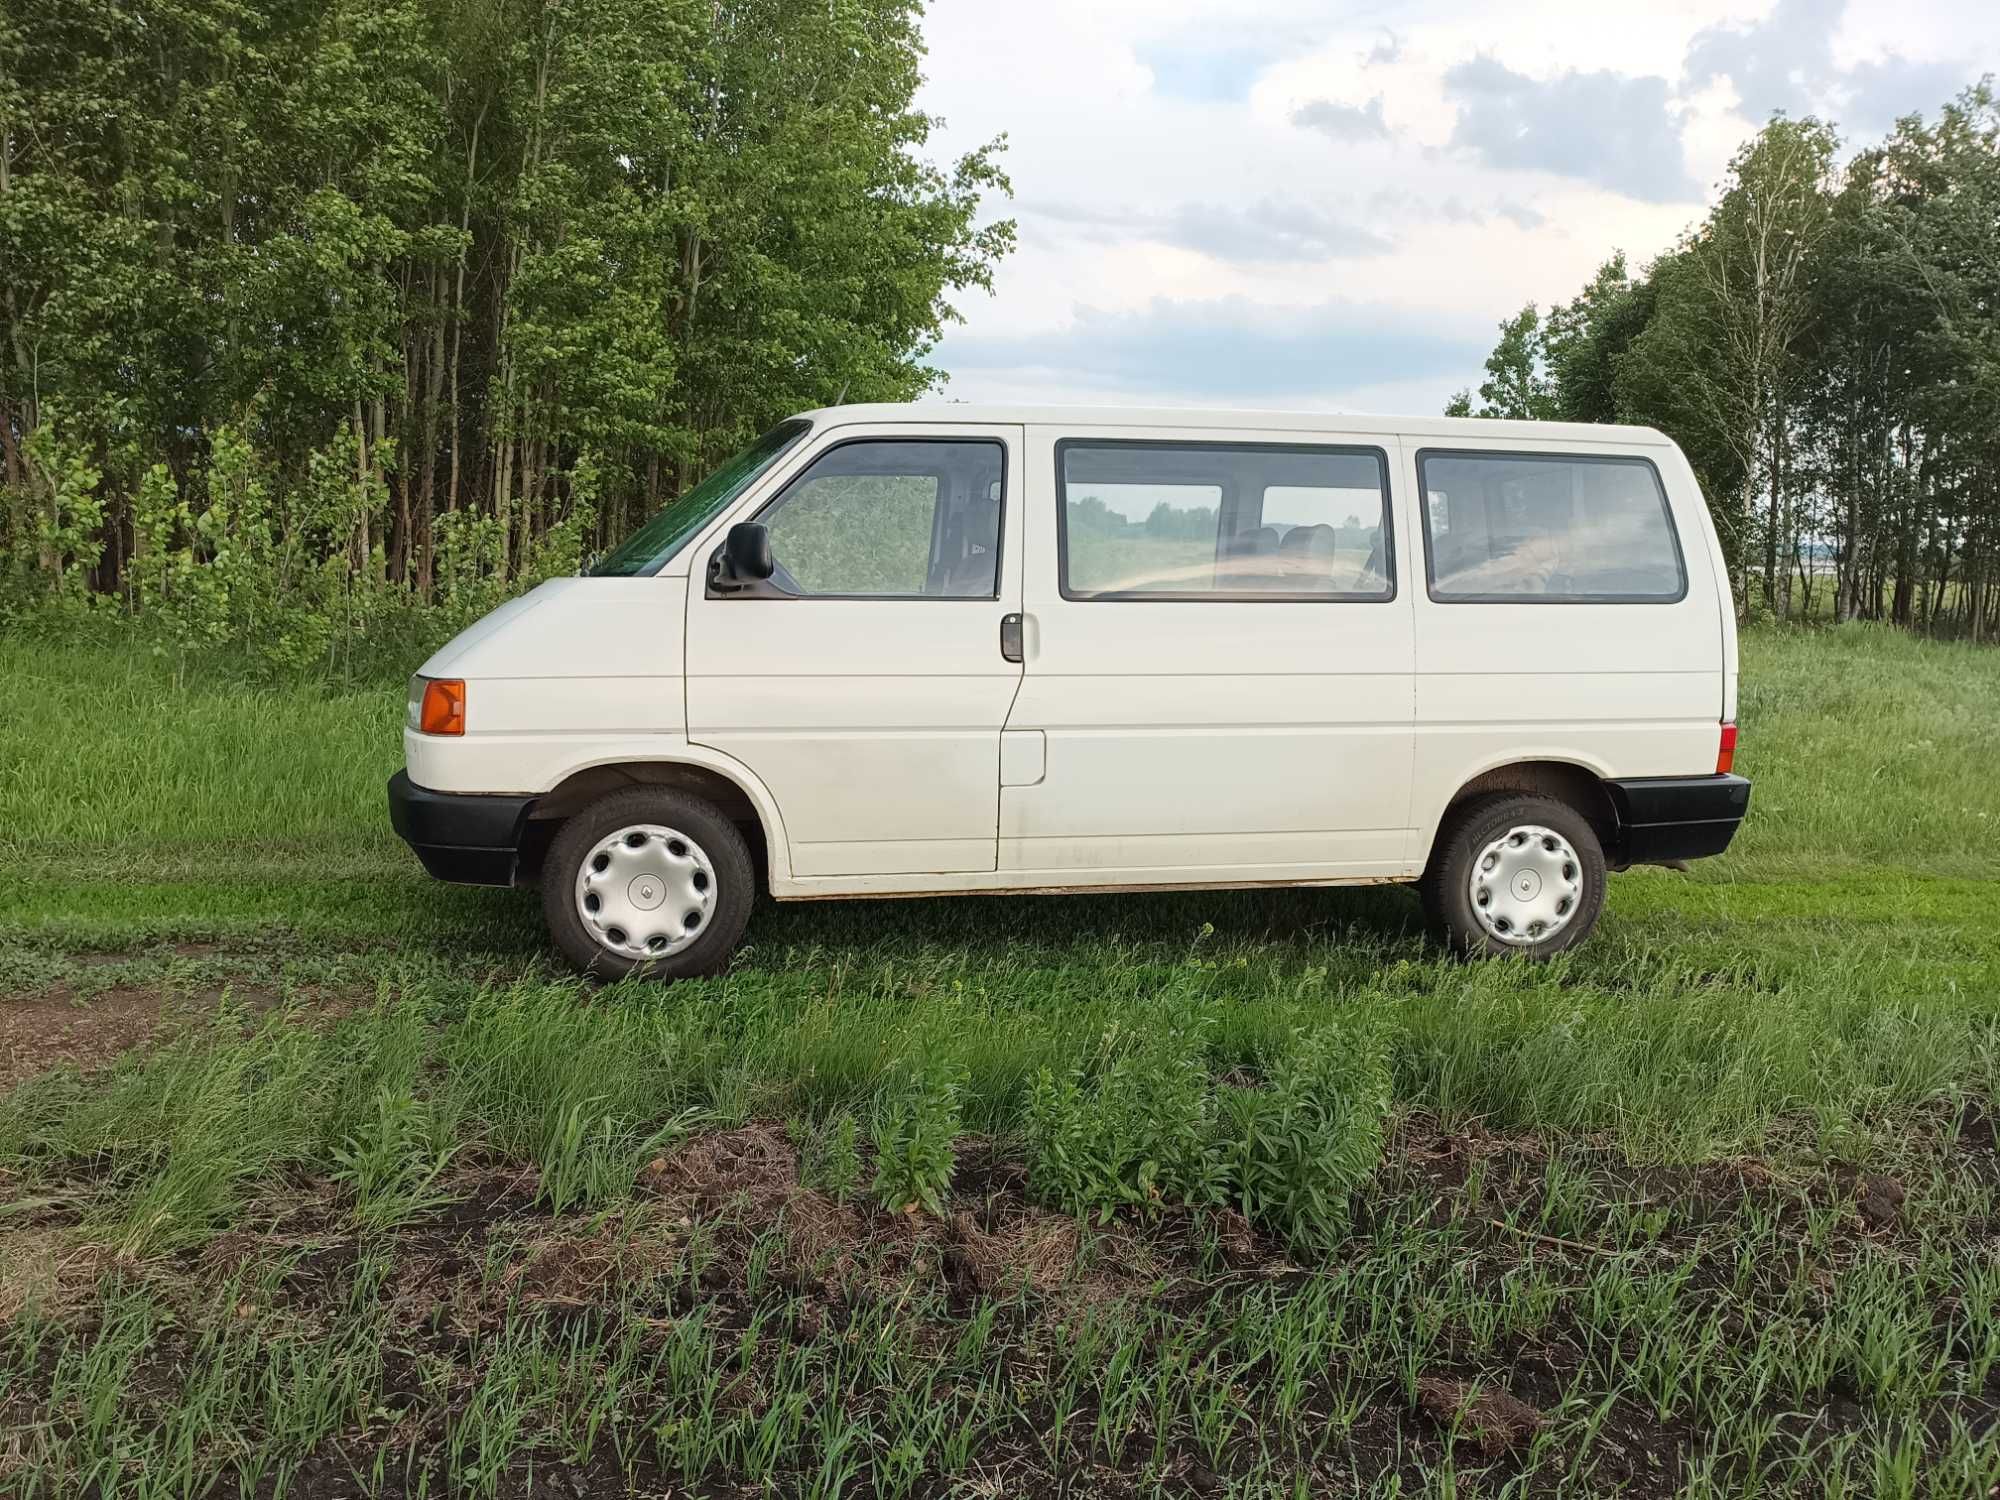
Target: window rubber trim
column 999, row 538
column 1536, row 455
column 1223, row 596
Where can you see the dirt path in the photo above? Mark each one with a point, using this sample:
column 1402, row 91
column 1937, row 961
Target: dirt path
column 58, row 1026
column 40, row 1032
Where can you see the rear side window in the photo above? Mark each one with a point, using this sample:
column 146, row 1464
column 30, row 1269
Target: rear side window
column 1523, row 528
column 1199, row 521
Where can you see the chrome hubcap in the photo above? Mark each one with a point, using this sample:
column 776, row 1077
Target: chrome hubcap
column 645, row 891
column 1526, row 885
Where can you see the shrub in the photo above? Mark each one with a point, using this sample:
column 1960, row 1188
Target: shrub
column 916, row 1120
column 1298, row 1147
column 238, row 560
column 1138, row 1134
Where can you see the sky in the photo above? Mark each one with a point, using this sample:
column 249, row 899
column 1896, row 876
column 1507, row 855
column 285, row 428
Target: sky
column 1289, row 205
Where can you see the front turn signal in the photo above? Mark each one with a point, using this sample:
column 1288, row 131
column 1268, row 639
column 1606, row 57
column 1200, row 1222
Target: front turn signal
column 1725, row 754
column 443, row 710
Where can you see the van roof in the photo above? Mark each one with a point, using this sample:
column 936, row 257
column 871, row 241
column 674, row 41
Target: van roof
column 1196, row 418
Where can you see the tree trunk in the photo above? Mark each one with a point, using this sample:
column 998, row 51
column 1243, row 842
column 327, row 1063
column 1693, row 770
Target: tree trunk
column 359, row 556
column 1771, row 520
column 433, row 390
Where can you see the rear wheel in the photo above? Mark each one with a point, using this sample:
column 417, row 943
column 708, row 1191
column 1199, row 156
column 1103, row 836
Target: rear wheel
column 648, row 880
column 1515, row 874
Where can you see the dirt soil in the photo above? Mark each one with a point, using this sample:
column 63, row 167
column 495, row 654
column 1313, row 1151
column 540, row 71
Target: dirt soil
column 91, row 1029
column 49, row 1030
column 731, row 1189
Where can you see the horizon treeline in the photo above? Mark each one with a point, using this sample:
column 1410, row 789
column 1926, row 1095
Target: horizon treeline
column 1825, row 346
column 325, row 306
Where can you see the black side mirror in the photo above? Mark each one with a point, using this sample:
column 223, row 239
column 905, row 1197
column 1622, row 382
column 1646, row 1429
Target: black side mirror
column 746, row 553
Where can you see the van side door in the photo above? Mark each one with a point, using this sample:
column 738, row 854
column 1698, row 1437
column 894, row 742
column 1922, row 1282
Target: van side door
column 866, row 684
column 1219, row 658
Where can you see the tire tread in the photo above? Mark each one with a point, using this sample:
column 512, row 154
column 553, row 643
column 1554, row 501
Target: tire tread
column 1442, row 888
column 728, row 853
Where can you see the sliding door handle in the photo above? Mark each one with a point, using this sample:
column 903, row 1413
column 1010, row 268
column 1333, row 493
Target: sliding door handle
column 1010, row 637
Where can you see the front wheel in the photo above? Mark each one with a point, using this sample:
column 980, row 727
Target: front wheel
column 648, row 880
column 1515, row 874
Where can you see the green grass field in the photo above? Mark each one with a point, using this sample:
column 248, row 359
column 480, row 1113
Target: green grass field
column 318, row 1178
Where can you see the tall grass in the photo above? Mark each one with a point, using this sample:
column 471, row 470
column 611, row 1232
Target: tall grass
column 1869, row 747
column 169, row 1146
column 1829, row 990
column 173, row 1142
column 107, row 770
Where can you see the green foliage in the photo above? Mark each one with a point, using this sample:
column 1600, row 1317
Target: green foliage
column 207, row 1117
column 1517, row 384
column 1296, row 1148
column 1584, row 340
column 1825, row 347
column 916, row 1121
column 392, row 1163
column 858, row 535
column 55, row 525
column 576, row 1089
column 1148, row 1127
column 1137, row 1130
column 353, row 307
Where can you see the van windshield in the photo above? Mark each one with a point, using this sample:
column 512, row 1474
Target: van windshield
column 648, row 549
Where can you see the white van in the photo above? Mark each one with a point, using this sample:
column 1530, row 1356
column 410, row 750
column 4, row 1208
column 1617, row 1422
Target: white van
column 904, row 650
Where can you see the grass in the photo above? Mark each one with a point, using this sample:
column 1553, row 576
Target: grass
column 1244, row 1193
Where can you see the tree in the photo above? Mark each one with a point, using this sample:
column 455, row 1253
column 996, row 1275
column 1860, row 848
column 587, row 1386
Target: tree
column 524, row 267
column 1584, row 339
column 1825, row 348
column 1516, row 385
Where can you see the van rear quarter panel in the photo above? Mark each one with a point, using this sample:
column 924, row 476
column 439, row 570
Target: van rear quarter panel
column 1620, row 689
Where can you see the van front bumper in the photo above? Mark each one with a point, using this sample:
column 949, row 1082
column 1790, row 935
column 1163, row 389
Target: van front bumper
column 1663, row 818
column 472, row 840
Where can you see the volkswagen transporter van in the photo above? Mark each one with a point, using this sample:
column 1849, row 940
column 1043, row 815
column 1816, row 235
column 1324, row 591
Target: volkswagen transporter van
column 901, row 650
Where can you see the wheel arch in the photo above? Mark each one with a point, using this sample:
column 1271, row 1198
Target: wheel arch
column 1575, row 784
column 739, row 795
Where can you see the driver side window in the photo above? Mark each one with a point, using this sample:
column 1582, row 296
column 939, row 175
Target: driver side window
column 893, row 518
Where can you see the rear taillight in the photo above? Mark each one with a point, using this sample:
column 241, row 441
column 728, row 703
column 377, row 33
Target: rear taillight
column 1725, row 754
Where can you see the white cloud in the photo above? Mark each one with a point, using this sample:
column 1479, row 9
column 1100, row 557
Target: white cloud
column 1343, row 122
column 1232, row 350
column 1270, row 230
column 1601, row 127
column 1271, row 203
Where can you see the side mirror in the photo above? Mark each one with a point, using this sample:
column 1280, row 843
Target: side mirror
column 746, row 553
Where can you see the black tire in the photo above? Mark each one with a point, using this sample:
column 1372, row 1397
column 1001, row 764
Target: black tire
column 1468, row 830
column 697, row 820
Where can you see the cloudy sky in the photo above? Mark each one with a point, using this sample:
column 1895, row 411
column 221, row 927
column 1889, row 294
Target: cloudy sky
column 1298, row 203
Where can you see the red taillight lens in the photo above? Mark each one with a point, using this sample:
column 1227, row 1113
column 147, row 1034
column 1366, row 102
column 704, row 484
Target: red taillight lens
column 1725, row 755
column 443, row 710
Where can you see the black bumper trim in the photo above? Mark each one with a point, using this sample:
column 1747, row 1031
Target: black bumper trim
column 1677, row 817
column 461, row 837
